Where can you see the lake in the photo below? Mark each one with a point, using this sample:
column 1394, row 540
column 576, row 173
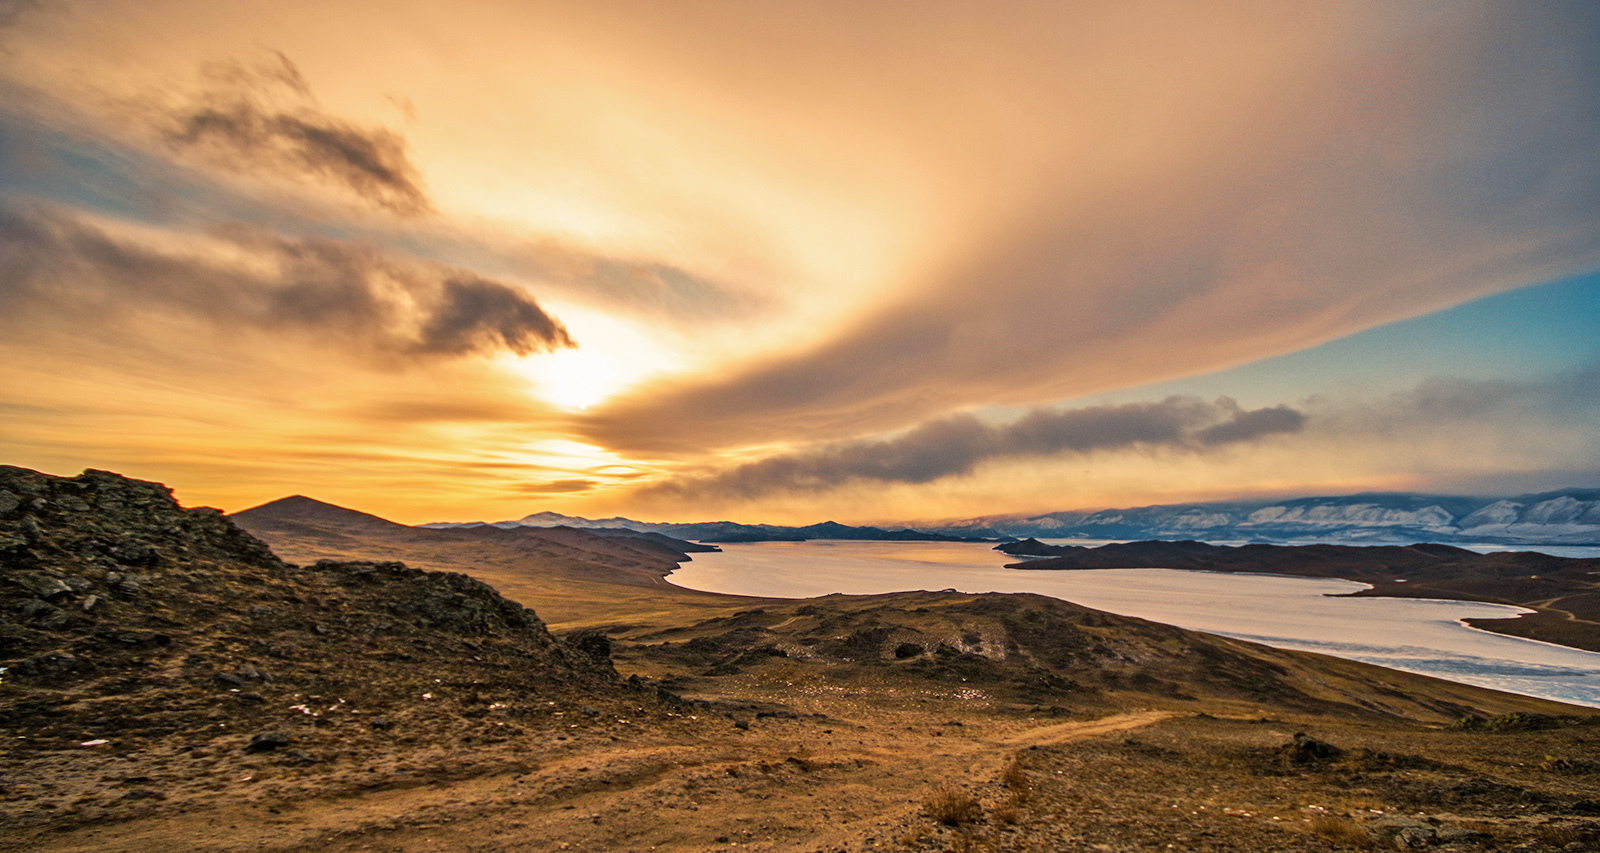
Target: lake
column 1422, row 636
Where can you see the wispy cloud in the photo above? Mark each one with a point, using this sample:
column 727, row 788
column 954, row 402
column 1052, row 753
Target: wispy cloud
column 58, row 270
column 556, row 487
column 957, row 445
column 263, row 118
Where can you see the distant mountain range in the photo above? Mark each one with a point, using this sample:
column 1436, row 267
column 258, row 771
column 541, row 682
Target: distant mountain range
column 724, row 531
column 1566, row 517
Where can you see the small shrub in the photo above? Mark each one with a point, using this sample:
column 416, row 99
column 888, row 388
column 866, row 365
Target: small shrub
column 1008, row 814
column 1016, row 778
column 1340, row 832
column 951, row 807
column 915, row 838
column 1515, row 722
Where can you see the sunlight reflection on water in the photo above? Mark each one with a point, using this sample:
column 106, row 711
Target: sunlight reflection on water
column 1423, row 636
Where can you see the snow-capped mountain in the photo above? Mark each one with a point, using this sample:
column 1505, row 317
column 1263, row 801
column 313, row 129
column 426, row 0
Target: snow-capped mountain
column 1570, row 516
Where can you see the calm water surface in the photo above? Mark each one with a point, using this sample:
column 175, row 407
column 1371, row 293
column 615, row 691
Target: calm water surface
column 1423, row 636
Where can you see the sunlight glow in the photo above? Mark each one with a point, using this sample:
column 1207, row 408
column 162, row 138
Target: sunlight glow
column 612, row 355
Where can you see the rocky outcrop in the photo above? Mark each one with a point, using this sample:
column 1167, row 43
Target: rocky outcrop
column 125, row 616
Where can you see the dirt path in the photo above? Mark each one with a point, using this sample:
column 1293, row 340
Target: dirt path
column 780, row 785
column 1063, row 732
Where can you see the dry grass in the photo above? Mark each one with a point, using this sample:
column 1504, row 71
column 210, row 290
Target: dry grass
column 952, row 807
column 1340, row 832
column 1007, row 814
column 1558, row 835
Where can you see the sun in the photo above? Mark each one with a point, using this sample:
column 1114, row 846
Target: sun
column 576, row 379
column 611, row 356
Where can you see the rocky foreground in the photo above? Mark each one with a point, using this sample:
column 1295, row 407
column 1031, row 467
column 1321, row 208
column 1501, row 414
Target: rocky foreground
column 172, row 684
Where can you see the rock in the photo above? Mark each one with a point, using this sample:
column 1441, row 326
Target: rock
column 135, row 639
column 74, row 504
column 230, row 679
column 1457, row 835
column 50, row 662
column 1588, row 808
column 266, row 742
column 1306, row 749
column 43, row 586
column 906, row 651
column 44, row 615
column 91, row 602
column 8, row 502
column 382, row 724
column 133, row 552
column 299, row 756
column 250, row 697
column 592, row 644
column 1410, row 838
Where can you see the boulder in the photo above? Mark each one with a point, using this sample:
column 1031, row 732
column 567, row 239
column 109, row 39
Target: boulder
column 267, row 742
column 43, row 586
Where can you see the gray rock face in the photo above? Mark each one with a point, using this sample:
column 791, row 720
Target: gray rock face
column 43, row 586
column 132, row 552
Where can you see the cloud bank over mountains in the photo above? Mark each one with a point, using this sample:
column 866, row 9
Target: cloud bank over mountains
column 958, row 445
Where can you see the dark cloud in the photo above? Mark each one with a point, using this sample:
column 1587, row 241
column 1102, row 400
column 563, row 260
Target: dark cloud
column 241, row 124
column 557, row 487
column 55, row 269
column 957, row 445
column 1244, row 426
column 478, row 314
column 12, row 11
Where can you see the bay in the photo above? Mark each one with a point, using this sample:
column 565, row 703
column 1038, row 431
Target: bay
column 1415, row 635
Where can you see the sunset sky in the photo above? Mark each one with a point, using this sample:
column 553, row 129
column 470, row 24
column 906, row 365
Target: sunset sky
column 788, row 261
